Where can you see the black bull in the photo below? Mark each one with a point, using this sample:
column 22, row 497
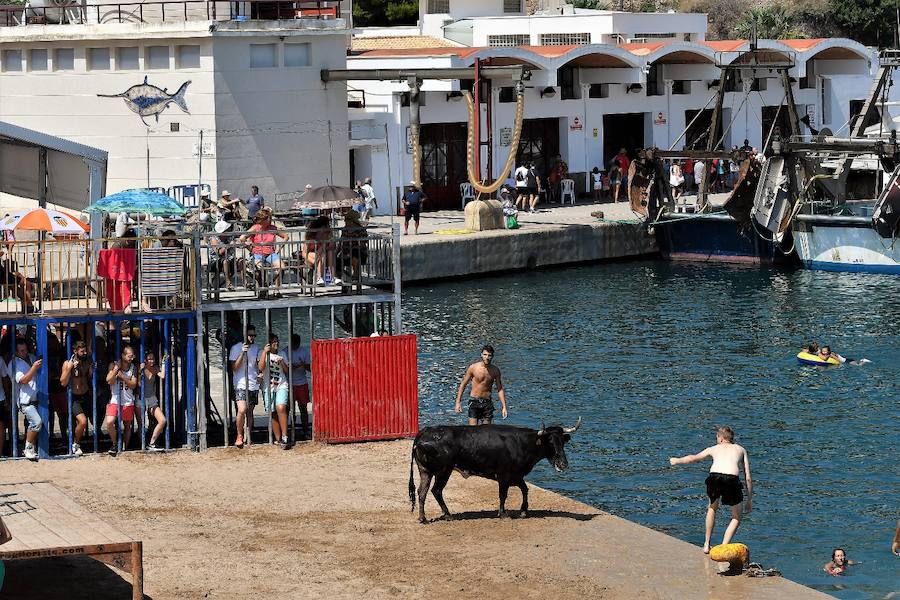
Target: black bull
column 503, row 453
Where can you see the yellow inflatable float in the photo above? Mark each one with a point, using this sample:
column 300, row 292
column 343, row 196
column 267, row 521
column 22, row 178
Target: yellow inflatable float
column 805, row 358
column 736, row 555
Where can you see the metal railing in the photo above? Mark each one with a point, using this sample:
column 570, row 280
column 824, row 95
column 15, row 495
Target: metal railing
column 161, row 11
column 238, row 268
column 179, row 272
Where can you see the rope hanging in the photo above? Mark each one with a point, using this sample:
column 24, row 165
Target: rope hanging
column 470, row 143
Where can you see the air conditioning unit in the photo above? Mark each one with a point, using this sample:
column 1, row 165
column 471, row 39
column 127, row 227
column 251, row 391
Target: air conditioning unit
column 636, row 41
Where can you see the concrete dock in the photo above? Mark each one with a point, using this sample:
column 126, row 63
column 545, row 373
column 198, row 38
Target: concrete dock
column 334, row 522
column 558, row 235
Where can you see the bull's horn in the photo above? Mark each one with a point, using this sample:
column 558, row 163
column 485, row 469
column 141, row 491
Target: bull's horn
column 573, row 429
column 541, row 430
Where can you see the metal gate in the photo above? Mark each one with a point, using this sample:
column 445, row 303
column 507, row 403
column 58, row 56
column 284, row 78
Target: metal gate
column 365, row 389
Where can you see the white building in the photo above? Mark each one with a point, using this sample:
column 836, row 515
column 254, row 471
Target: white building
column 600, row 81
column 254, row 94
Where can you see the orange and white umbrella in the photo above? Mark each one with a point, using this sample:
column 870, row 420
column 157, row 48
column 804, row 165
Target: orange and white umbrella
column 43, row 219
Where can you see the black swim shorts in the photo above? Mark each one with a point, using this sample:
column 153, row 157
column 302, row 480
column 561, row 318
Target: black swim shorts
column 481, row 409
column 726, row 487
column 79, row 402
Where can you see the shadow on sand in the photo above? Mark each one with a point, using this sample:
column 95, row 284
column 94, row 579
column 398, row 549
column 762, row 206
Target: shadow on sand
column 70, row 578
column 514, row 514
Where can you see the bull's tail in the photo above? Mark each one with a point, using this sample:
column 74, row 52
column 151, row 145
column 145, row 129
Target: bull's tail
column 412, row 483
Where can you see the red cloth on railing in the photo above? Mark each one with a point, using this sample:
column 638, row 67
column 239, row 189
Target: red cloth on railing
column 118, row 266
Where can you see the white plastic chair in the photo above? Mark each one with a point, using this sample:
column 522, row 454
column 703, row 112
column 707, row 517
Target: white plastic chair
column 466, row 192
column 568, row 189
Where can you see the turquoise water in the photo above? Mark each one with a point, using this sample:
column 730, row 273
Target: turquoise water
column 653, row 355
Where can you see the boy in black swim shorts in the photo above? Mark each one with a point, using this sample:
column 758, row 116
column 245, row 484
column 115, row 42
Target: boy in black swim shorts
column 723, row 483
column 481, row 409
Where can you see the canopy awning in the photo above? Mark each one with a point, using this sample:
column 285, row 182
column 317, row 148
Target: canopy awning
column 75, row 173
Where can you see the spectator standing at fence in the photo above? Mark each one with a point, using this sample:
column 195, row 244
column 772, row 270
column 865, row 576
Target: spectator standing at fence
column 413, row 200
column 221, row 256
column 12, row 282
column 318, row 250
column 300, row 364
column 4, row 407
column 262, row 234
column 274, row 363
column 371, row 203
column 624, row 164
column 243, row 359
column 354, row 250
column 123, row 380
column 25, row 370
column 152, row 380
column 78, row 372
column 255, row 202
column 228, row 207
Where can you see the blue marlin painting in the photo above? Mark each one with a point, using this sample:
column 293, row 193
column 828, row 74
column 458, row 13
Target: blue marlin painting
column 146, row 99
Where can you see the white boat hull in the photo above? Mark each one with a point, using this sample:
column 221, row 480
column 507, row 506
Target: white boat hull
column 845, row 248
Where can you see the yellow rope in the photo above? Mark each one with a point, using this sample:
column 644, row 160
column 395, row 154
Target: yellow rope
column 513, row 148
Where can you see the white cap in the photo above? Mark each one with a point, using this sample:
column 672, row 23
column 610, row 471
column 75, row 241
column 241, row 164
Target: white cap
column 412, row 182
column 308, row 186
column 226, row 193
column 222, row 226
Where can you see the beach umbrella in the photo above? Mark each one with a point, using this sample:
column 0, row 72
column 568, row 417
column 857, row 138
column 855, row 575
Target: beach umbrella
column 43, row 219
column 328, row 196
column 138, row 201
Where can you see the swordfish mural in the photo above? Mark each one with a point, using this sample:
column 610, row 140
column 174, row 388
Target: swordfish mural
column 146, row 99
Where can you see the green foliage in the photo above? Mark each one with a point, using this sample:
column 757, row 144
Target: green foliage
column 871, row 22
column 772, row 22
column 383, row 13
column 592, row 4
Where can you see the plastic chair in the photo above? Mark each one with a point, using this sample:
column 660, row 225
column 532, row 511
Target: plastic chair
column 466, row 192
column 568, row 189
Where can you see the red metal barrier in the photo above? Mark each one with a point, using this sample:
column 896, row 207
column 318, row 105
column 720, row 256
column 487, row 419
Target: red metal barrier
column 365, row 389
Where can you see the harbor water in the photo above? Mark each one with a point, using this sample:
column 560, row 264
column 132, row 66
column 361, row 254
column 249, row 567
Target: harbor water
column 653, row 355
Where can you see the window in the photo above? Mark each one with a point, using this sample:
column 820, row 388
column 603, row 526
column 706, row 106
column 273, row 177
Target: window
column 12, row 60
column 37, row 60
column 296, row 55
column 808, row 82
column 262, row 56
column 157, row 57
column 565, row 39
column 598, row 90
column 759, row 84
column 509, row 40
column 437, row 7
column 507, row 94
column 654, row 35
column 98, row 59
column 512, row 6
column 655, row 84
column 568, row 84
column 856, row 108
column 127, row 59
column 187, row 57
column 681, row 87
column 733, row 81
column 64, row 59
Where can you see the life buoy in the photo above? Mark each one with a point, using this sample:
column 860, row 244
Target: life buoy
column 805, row 358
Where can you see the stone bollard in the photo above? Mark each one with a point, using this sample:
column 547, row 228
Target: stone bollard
column 482, row 215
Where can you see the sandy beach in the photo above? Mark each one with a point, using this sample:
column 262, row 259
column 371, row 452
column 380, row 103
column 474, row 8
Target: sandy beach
column 334, row 522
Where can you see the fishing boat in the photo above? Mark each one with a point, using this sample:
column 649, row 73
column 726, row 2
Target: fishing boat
column 839, row 198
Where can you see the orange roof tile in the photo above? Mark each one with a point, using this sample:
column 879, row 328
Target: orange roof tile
column 723, row 45
column 802, row 45
column 400, row 42
column 461, row 52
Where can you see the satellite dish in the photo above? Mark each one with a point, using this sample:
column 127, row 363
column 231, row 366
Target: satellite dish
column 823, row 133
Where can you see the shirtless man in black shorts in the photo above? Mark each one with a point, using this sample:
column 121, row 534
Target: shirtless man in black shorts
column 723, row 482
column 79, row 371
column 483, row 376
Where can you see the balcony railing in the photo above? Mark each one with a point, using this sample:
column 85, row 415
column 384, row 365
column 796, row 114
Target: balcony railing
column 177, row 273
column 161, row 11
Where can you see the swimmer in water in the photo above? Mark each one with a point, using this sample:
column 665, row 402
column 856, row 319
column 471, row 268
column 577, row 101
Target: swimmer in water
column 839, row 563
column 895, row 545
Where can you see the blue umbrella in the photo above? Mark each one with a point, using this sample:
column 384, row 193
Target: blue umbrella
column 138, row 201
